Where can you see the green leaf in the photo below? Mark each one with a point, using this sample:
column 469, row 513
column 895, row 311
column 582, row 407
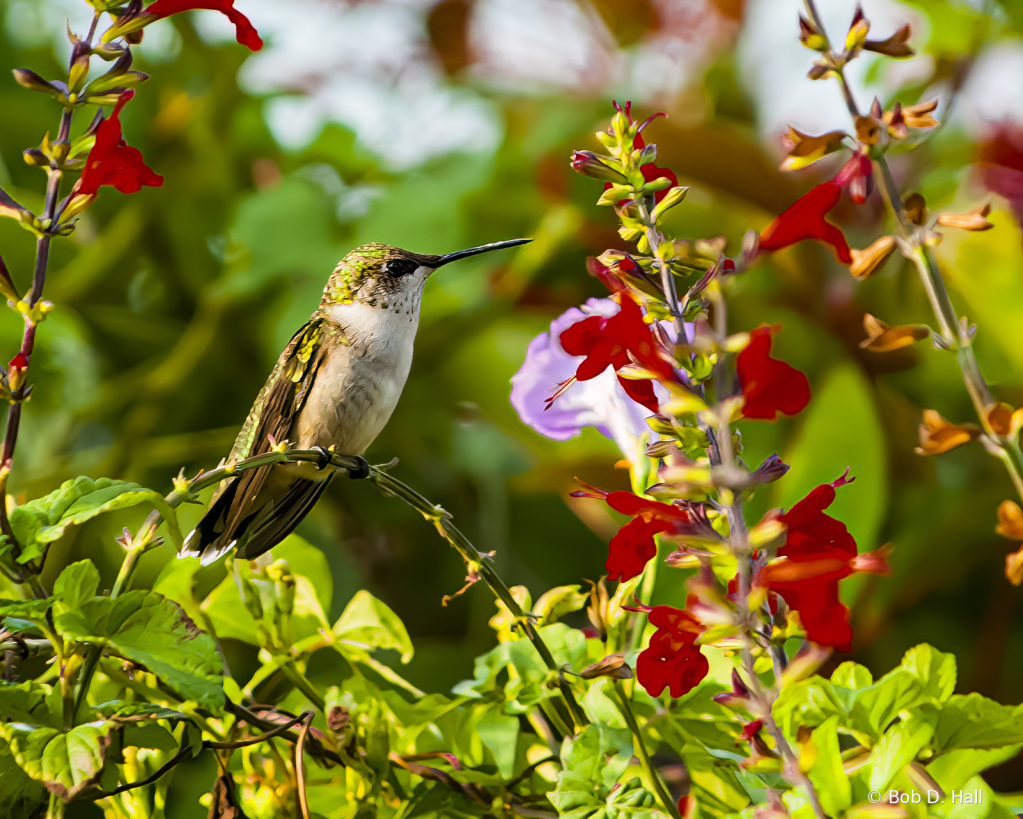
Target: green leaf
column 900, row 745
column 30, row 702
column 973, row 721
column 935, row 669
column 715, row 785
column 371, row 623
column 77, row 584
column 808, row 702
column 500, row 733
column 852, row 675
column 20, row 795
column 154, row 632
column 828, row 776
column 591, row 763
column 32, row 610
column 697, row 719
column 66, row 763
column 954, row 768
column 309, row 562
column 228, row 616
column 176, row 582
column 44, row 520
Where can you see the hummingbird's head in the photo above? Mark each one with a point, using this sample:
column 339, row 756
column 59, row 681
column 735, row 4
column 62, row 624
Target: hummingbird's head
column 389, row 277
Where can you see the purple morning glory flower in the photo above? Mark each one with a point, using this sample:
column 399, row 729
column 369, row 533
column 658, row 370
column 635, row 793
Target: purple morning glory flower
column 600, row 402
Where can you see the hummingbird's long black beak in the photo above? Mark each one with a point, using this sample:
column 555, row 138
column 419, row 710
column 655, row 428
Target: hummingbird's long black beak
column 475, row 251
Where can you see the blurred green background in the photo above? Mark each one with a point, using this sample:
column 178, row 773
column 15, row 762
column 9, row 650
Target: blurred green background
column 442, row 125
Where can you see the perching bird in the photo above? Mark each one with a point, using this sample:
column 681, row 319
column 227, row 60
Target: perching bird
column 335, row 385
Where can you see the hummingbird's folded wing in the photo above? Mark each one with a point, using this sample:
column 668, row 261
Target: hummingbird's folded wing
column 238, row 505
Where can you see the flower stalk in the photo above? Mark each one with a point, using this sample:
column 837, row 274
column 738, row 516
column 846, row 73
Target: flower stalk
column 955, row 334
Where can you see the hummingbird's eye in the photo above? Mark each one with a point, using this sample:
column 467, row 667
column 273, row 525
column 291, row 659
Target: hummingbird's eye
column 401, row 267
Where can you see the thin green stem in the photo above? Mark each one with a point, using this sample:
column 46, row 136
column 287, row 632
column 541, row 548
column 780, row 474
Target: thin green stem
column 480, row 564
column 625, row 706
column 301, row 682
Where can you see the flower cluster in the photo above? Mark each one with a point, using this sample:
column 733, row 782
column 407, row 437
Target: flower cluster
column 662, row 378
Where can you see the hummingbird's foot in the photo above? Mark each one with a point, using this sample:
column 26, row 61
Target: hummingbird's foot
column 361, row 472
column 325, row 457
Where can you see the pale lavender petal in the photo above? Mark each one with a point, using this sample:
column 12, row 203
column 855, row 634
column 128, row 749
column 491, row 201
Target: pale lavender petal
column 600, row 402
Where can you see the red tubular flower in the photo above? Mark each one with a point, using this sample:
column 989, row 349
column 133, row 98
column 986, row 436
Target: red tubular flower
column 244, row 30
column 608, row 342
column 112, row 162
column 858, row 175
column 672, row 660
column 633, row 545
column 818, row 552
column 805, row 220
column 769, row 385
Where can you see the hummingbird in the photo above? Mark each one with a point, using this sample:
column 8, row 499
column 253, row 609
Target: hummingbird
column 333, row 388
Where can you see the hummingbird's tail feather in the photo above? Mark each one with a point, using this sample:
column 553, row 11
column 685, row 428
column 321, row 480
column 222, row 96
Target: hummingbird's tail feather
column 209, row 540
column 252, row 531
column 270, row 529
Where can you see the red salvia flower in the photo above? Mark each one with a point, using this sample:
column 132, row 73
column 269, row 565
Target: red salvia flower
column 819, row 552
column 858, row 175
column 633, row 545
column 769, row 385
column 672, row 660
column 608, row 342
column 805, row 220
column 112, row 162
column 244, row 30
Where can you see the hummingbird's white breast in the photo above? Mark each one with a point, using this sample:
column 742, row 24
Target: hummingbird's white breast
column 359, row 383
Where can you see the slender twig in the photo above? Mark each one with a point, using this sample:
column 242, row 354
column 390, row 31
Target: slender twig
column 304, row 717
column 625, row 706
column 482, row 565
column 149, row 780
column 299, row 765
column 315, row 748
column 48, row 226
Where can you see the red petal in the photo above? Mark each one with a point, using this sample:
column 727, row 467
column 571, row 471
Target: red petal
column 642, row 392
column 632, row 548
column 769, row 385
column 671, row 661
column 112, row 162
column 629, row 504
column 825, row 619
column 805, row 220
column 244, row 30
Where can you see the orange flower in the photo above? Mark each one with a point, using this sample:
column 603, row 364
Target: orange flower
column 937, row 435
column 882, row 339
column 1010, row 520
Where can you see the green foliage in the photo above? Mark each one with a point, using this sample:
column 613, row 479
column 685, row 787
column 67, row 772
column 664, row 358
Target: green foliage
column 44, row 520
column 905, row 726
column 369, row 623
column 172, row 306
